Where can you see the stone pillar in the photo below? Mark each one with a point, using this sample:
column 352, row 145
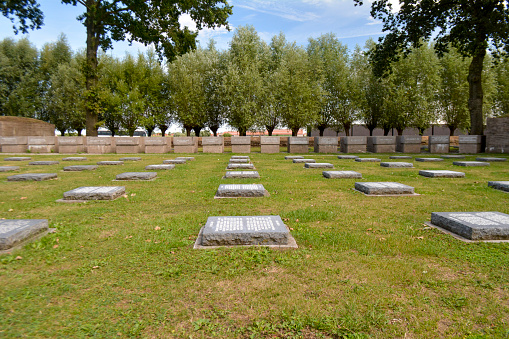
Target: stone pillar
column 497, row 135
column 241, row 144
column 128, row 145
column 71, row 144
column 185, row 145
column 439, row 143
column 472, row 143
column 157, row 144
column 408, row 143
column 269, row 144
column 325, row 145
column 353, row 144
column 298, row 144
column 100, row 145
column 383, row 144
column 212, row 144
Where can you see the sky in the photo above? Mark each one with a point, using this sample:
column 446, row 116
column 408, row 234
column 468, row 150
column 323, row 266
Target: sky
column 297, row 19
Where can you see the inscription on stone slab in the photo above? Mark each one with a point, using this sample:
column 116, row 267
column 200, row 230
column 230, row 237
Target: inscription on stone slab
column 110, row 163
column 303, row 161
column 74, row 159
column 175, row 161
column 470, row 163
column 16, row 231
column 428, row 159
column 95, row 193
column 453, row 156
column 76, row 168
column 367, row 160
column 474, row 225
column 291, row 157
column 318, row 165
column 499, row 185
column 130, row 159
column 241, row 191
column 240, row 166
column 397, row 164
column 488, row 159
column 245, row 230
column 347, row 157
column 8, row 168
column 160, row 167
column 17, row 159
column 441, row 174
column 239, row 157
column 185, row 158
column 32, row 177
column 136, row 176
column 341, row 175
column 239, row 161
column 400, row 157
column 383, row 188
column 242, row 175
column 44, row 163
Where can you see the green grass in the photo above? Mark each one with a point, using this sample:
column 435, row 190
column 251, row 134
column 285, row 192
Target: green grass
column 366, row 267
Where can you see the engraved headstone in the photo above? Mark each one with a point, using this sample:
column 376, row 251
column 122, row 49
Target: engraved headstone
column 318, row 165
column 397, row 164
column 490, row 159
column 32, row 177
column 185, row 158
column 130, row 159
column 241, row 191
column 8, row 168
column 77, row 168
column 110, row 163
column 428, row 159
column 74, row 159
column 95, row 193
column 347, row 157
column 242, row 175
column 14, row 232
column 400, row 157
column 239, row 161
column 303, row 161
column 342, row 175
column 17, row 159
column 240, row 166
column 367, row 160
column 441, row 174
column 239, row 157
column 175, row 161
column 454, row 156
column 160, row 167
column 384, row 188
column 499, row 185
column 474, row 225
column 291, row 157
column 43, row 163
column 136, row 176
column 470, row 163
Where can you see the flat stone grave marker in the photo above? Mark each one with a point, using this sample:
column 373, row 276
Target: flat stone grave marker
column 160, row 167
column 175, row 161
column 94, row 193
column 245, row 231
column 384, row 188
column 303, row 161
column 367, row 160
column 397, row 164
column 318, row 165
column 136, row 176
column 341, row 175
column 400, row 157
column 240, row 166
column 347, row 157
column 130, row 159
column 489, row 159
column 453, row 156
column 74, row 159
column 428, row 159
column 77, row 168
column 17, row 159
column 185, row 158
column 239, row 157
column 8, row 168
column 470, row 163
column 241, row 191
column 291, row 157
column 441, row 174
column 242, row 175
column 476, row 226
column 499, row 185
column 44, row 163
column 32, row 177
column 110, row 163
column 239, row 161
column 14, row 232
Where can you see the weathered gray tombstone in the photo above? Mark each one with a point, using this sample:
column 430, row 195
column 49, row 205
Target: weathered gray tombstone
column 241, row 144
column 185, row 145
column 499, row 185
column 325, row 145
column 245, row 231
column 291, row 157
column 400, row 157
column 342, row 175
column 110, row 163
column 15, row 232
column 303, row 161
column 212, row 144
column 239, row 161
column 71, row 144
column 368, row 160
column 453, row 156
column 175, row 161
column 298, row 144
column 157, row 145
column 185, row 158
column 428, row 159
column 397, row 164
column 160, row 167
column 471, row 143
column 95, row 193
column 128, row 145
column 17, row 159
column 78, row 168
column 141, row 176
column 384, row 188
column 318, row 165
column 353, row 144
column 408, row 143
column 347, row 157
column 383, row 144
column 470, row 163
column 240, row 166
column 130, row 159
column 43, row 163
column 242, row 175
column 439, row 143
column 74, row 159
column 32, row 177
column 240, row 157
column 490, row 159
column 8, row 168
column 270, row 144
column 100, row 145
column 441, row 174
column 241, row 191
column 476, row 226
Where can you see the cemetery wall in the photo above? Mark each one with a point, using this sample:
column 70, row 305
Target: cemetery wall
column 24, row 127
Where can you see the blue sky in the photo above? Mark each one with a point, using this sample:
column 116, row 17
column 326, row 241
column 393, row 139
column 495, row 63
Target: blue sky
column 298, row 19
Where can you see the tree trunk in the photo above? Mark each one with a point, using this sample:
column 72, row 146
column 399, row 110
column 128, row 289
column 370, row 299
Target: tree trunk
column 62, row 132
column 320, row 130
column 295, row 131
column 149, row 131
column 475, row 99
column 214, row 130
column 131, row 132
column 91, row 77
column 270, row 129
column 79, row 132
column 242, row 132
column 451, row 130
column 346, row 127
column 197, row 130
column 163, row 129
column 400, row 131
column 386, row 131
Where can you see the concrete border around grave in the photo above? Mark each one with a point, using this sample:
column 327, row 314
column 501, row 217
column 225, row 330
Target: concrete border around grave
column 28, row 240
column 387, row 195
column 291, row 243
column 459, row 237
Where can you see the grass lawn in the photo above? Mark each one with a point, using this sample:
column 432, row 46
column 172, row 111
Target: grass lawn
column 366, row 267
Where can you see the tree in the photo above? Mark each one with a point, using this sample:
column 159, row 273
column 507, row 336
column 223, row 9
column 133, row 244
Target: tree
column 501, row 97
column 214, row 101
column 469, row 26
column 27, row 12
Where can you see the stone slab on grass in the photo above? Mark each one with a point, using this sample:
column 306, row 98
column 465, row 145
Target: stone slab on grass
column 241, row 191
column 239, row 161
column 499, row 185
column 470, row 163
column 400, row 157
column 43, row 163
column 130, row 159
column 8, row 168
column 397, row 164
column 384, row 188
column 347, row 157
column 342, row 175
column 476, row 226
column 239, row 157
column 77, row 168
column 95, row 193
column 454, row 156
column 303, row 161
column 74, row 159
column 14, row 232
column 239, row 166
column 136, row 176
column 367, row 160
column 17, row 159
column 110, row 163
column 32, row 177
column 441, row 174
column 175, row 161
column 318, row 165
column 242, row 175
column 291, row 157
column 428, row 159
column 160, row 167
column 185, row 158
column 490, row 159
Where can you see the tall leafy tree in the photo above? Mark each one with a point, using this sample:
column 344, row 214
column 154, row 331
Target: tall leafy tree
column 501, row 96
column 214, row 97
column 470, row 26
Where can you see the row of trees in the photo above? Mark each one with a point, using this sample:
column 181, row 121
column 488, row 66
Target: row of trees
column 252, row 85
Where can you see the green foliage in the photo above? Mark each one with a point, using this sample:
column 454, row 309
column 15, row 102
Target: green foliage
column 27, row 12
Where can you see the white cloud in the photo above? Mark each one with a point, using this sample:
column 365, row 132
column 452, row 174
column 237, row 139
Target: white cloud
column 283, row 9
column 373, row 21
